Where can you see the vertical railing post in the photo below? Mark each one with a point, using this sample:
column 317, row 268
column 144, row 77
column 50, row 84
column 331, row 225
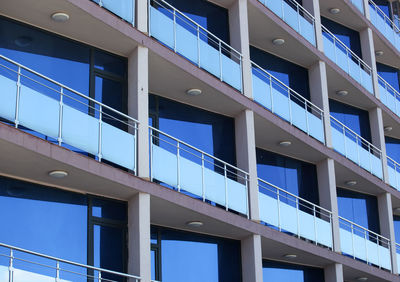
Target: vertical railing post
column 11, row 267
column 226, row 188
column 334, row 47
column 360, row 70
column 297, row 217
column 220, row 59
column 57, row 271
column 271, row 92
column 198, row 46
column 135, row 148
column 241, row 73
column 298, row 17
column 99, row 276
column 178, row 176
column 16, row 121
column 60, row 117
column 247, row 196
column 365, row 245
column 290, row 107
column 348, row 60
column 203, row 192
column 306, row 113
column 99, row 155
column 344, row 140
column 371, row 154
column 358, row 149
column 149, row 17
column 352, row 240
column 315, row 225
column 151, row 153
column 279, row 209
column 174, row 25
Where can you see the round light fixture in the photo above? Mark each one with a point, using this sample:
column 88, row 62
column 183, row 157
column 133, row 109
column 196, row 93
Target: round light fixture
column 285, row 143
column 334, row 11
column 58, row 173
column 378, row 53
column 362, row 278
column 342, row 93
column 388, row 128
column 290, row 256
column 194, row 223
column 194, row 92
column 278, row 41
column 60, row 17
column 351, row 182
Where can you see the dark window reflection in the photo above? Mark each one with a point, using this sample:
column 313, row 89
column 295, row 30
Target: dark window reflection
column 284, row 272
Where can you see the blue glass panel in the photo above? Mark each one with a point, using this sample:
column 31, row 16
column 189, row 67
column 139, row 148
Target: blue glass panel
column 109, row 63
column 110, row 209
column 389, row 74
column 284, row 272
column 261, row 89
column 307, row 30
column 186, row 42
column 122, row 8
column 231, row 72
column 162, row 27
column 8, row 97
column 209, row 59
column 290, row 15
column 275, row 6
column 359, row 4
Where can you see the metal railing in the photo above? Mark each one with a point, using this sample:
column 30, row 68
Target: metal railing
column 394, row 173
column 195, row 43
column 279, row 7
column 390, row 30
column 125, row 9
column 65, row 116
column 388, row 89
column 293, row 116
column 345, row 143
column 293, row 214
column 351, row 59
column 24, row 263
column 197, row 173
column 364, row 244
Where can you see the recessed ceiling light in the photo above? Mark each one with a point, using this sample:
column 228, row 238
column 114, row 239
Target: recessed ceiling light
column 58, row 173
column 351, row 182
column 60, row 17
column 194, row 92
column 362, row 278
column 278, row 41
column 194, row 223
column 342, row 93
column 23, row 41
column 290, row 256
column 285, row 143
column 378, row 53
column 388, row 128
column 334, row 11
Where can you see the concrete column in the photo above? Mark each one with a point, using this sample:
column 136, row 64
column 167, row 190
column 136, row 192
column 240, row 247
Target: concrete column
column 239, row 39
column 252, row 270
column 319, row 95
column 368, row 53
column 138, row 104
column 312, row 6
column 139, row 257
column 366, row 10
column 246, row 156
column 333, row 273
column 141, row 15
column 378, row 137
column 387, row 225
column 328, row 196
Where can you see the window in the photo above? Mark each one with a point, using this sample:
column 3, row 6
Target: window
column 284, row 272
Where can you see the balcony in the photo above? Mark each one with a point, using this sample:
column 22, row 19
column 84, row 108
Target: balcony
column 190, row 40
column 17, row 264
column 295, row 16
column 384, row 24
column 398, row 255
column 365, row 245
column 55, row 112
column 283, row 101
column 291, row 214
column 394, row 173
column 125, row 9
column 195, row 173
column 339, row 53
column 348, row 143
column 389, row 96
column 359, row 5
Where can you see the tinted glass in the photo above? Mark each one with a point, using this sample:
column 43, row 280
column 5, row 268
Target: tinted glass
column 109, row 209
column 283, row 272
column 109, row 63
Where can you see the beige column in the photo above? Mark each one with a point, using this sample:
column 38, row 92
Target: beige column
column 334, row 273
column 141, row 15
column 368, row 53
column 139, row 260
column 138, row 105
column 328, row 196
column 312, row 6
column 387, row 226
column 252, row 270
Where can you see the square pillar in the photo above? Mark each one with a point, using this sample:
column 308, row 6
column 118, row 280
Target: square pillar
column 246, row 157
column 142, row 15
column 387, row 226
column 139, row 257
column 368, row 52
column 328, row 196
column 333, row 273
column 252, row 269
column 312, row 6
column 138, row 105
column 319, row 95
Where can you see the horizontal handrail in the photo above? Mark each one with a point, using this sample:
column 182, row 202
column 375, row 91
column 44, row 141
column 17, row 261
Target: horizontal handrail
column 68, row 262
column 162, row 2
column 379, row 10
column 378, row 236
column 298, row 96
column 347, row 49
column 393, row 161
column 387, row 85
column 293, row 195
column 299, row 7
column 65, row 87
column 198, row 150
column 357, row 135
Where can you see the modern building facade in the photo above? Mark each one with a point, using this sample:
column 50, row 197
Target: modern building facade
column 196, row 140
